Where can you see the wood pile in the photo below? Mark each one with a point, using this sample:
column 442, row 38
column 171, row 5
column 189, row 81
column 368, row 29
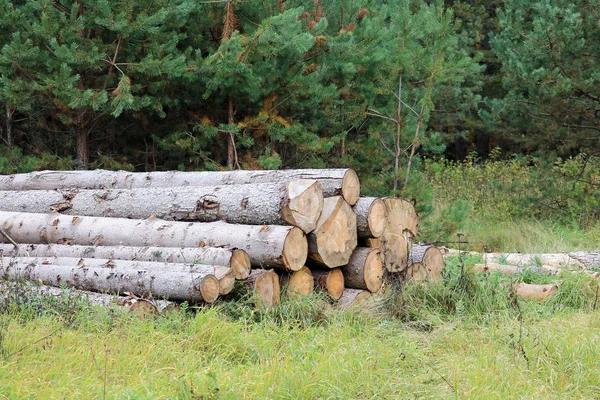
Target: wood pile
column 188, row 236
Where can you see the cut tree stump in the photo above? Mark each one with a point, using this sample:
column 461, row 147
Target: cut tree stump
column 371, row 217
column 235, row 259
column 536, row 292
column 299, row 283
column 353, row 298
column 297, row 202
column 330, row 281
column 342, row 181
column 425, row 263
column 365, row 270
column 194, row 285
column 264, row 284
column 333, row 240
column 283, row 247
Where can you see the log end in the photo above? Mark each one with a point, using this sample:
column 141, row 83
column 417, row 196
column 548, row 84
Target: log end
column 395, row 251
column 373, row 271
column 240, row 264
column 536, row 292
column 300, row 283
column 139, row 307
column 209, row 289
column 351, row 187
column 335, row 283
column 305, row 204
column 295, row 249
column 352, row 298
column 267, row 289
column 377, row 218
column 226, row 277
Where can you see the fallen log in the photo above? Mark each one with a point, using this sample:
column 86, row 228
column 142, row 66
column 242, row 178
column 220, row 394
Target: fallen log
column 330, row 281
column 588, row 258
column 195, row 285
column 336, row 182
column 297, row 202
column 333, row 240
column 425, row 263
column 265, row 287
column 364, row 270
column 299, row 283
column 371, row 217
column 269, row 245
column 11, row 290
column 536, row 292
column 235, row 259
column 514, row 269
column 353, row 298
column 554, row 260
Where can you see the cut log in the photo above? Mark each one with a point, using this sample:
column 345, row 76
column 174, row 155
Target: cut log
column 235, row 259
column 300, row 283
column 336, row 182
column 401, row 216
column 365, row 270
column 395, row 249
column 226, row 278
column 136, row 305
column 402, row 226
column 264, row 284
column 333, row 240
column 330, row 281
column 536, row 292
column 371, row 217
column 194, row 285
column 588, row 258
column 425, row 263
column 270, row 245
column 298, row 202
column 514, row 269
column 554, row 260
column 353, row 298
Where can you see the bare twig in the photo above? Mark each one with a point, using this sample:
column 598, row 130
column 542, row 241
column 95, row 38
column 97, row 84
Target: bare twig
column 9, row 238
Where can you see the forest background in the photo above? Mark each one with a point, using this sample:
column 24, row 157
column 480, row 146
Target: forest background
column 486, row 113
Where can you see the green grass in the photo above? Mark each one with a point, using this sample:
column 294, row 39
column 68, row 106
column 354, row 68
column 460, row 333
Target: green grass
column 479, row 342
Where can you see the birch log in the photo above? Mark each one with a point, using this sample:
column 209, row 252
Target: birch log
column 299, row 283
column 371, row 217
column 552, row 259
column 425, row 263
column 264, row 284
column 336, row 182
column 235, row 259
column 514, row 269
column 587, row 258
column 353, row 298
column 191, row 286
column 330, row 281
column 297, row 202
column 365, row 270
column 536, row 292
column 333, row 240
column 270, row 245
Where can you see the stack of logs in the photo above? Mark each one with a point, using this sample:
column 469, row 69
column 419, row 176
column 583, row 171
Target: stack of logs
column 188, row 236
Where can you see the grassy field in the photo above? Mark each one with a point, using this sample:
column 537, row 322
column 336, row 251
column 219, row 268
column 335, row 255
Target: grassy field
column 466, row 337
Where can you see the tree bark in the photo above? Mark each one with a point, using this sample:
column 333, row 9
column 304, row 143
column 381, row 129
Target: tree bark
column 336, row 182
column 554, row 260
column 83, row 151
column 264, row 284
column 425, row 264
column 535, row 292
column 353, row 298
column 300, row 283
column 235, row 259
column 298, row 202
column 587, row 258
column 513, row 269
column 371, row 217
column 193, row 283
column 364, row 270
column 334, row 239
column 330, row 281
column 10, row 140
column 283, row 247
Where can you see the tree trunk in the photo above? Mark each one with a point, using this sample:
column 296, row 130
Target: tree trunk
column 330, row 281
column 396, row 240
column 298, row 202
column 10, row 140
column 270, row 245
column 536, row 292
column 371, row 217
column 554, row 260
column 425, row 264
column 300, row 283
column 83, row 151
column 513, row 269
column 264, row 284
column 336, row 182
column 193, row 283
column 365, row 270
column 235, row 259
column 19, row 291
column 353, row 298
column 587, row 258
column 231, row 159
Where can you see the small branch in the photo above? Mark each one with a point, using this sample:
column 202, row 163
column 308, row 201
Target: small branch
column 9, row 238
